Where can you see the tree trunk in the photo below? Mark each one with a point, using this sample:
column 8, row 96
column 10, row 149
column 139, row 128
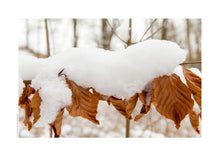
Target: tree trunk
column 164, row 30
column 47, row 37
column 106, row 35
column 75, row 36
column 188, row 39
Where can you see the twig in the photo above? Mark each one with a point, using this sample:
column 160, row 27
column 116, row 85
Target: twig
column 113, row 30
column 195, row 62
column 148, row 29
column 60, row 73
column 155, row 31
column 127, row 124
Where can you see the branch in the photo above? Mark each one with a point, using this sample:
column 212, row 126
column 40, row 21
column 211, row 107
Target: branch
column 113, row 30
column 148, row 29
column 195, row 62
column 156, row 31
column 36, row 54
column 129, row 42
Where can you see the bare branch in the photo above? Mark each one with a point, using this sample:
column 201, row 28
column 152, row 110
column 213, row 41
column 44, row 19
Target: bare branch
column 195, row 62
column 36, row 54
column 155, row 31
column 113, row 30
column 148, row 29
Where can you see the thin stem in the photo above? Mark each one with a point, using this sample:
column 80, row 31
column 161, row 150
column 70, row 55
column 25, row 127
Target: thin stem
column 127, row 127
column 51, row 132
column 113, row 30
column 148, row 29
column 155, row 31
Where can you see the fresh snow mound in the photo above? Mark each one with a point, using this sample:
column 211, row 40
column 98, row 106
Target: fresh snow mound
column 111, row 73
column 29, row 66
column 120, row 73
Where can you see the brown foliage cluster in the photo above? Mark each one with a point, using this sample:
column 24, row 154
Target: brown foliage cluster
column 30, row 106
column 170, row 96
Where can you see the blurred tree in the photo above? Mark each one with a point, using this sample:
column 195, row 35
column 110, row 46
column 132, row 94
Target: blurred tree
column 188, row 40
column 164, row 29
column 75, row 35
column 106, row 34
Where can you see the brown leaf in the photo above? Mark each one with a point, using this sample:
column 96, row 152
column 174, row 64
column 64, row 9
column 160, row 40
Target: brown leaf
column 124, row 107
column 27, row 91
column 172, row 98
column 145, row 108
column 194, row 83
column 194, row 119
column 84, row 103
column 35, row 105
column 56, row 126
column 131, row 105
column 119, row 105
column 24, row 103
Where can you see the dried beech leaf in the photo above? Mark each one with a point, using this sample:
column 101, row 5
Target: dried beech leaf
column 56, row 126
column 119, row 105
column 98, row 95
column 131, row 105
column 194, row 119
column 172, row 98
column 194, row 83
column 24, row 103
column 125, row 108
column 28, row 112
column 84, row 103
column 27, row 91
column 145, row 108
column 35, row 105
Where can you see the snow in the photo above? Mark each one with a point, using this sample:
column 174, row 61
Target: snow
column 112, row 73
column 179, row 71
column 120, row 73
column 137, row 109
column 54, row 93
column 20, row 86
column 29, row 66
